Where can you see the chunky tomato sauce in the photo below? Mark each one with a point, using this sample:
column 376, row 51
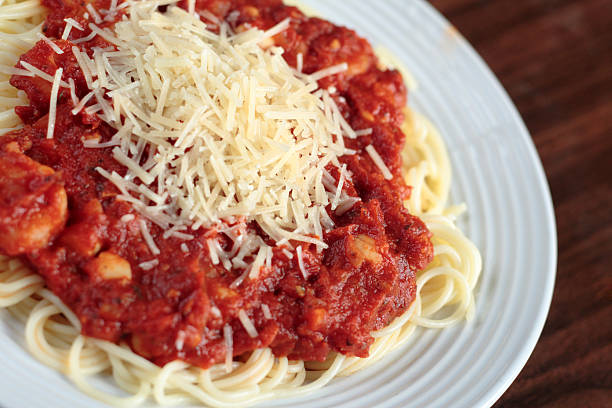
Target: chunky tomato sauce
column 60, row 216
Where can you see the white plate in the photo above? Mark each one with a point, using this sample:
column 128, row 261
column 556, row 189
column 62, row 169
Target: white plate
column 496, row 172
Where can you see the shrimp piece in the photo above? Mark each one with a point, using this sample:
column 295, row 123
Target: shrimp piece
column 33, row 204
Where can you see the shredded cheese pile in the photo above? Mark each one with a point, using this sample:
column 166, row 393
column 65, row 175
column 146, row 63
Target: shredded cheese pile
column 217, row 127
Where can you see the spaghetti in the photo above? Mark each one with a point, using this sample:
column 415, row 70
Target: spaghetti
column 53, row 332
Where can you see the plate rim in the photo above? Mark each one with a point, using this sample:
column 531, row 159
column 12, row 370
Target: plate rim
column 492, row 396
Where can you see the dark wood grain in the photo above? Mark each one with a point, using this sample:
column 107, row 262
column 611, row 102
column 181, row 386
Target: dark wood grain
column 555, row 59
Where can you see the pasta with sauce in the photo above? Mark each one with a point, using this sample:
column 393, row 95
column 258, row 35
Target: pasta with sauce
column 54, row 333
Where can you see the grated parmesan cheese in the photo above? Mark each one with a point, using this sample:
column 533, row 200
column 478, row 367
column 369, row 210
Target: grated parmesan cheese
column 72, row 22
column 53, row 102
column 300, row 259
column 336, row 69
column 85, row 39
column 127, row 218
column 180, row 340
column 147, row 266
column 37, row 72
column 229, row 347
column 214, row 257
column 148, row 238
column 338, row 193
column 364, row 132
column 300, row 62
column 50, row 43
column 73, row 96
column 216, row 126
column 216, row 312
column 266, row 311
column 96, row 16
column 379, row 162
column 345, row 205
column 247, row 324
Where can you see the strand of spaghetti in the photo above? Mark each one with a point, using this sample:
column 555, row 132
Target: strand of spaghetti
column 426, row 166
column 436, row 296
column 445, row 231
column 35, row 336
column 459, row 312
column 20, row 11
column 123, row 377
column 22, row 310
column 62, row 330
column 208, row 384
column 159, row 385
column 41, row 339
column 279, row 371
column 75, row 373
column 14, row 292
column 254, row 368
column 66, row 312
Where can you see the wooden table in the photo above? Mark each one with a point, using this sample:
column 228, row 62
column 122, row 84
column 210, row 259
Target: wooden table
column 555, row 59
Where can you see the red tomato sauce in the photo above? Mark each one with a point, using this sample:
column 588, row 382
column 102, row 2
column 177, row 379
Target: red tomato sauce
column 171, row 311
